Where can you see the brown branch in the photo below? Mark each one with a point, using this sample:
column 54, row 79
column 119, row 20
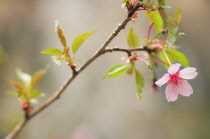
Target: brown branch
column 16, row 130
column 116, row 49
column 132, row 11
column 74, row 74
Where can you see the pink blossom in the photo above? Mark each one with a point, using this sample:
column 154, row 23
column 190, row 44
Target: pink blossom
column 176, row 81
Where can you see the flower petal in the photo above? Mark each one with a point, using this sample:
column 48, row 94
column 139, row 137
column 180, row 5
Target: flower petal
column 184, row 88
column 174, row 68
column 188, row 73
column 171, row 92
column 163, row 80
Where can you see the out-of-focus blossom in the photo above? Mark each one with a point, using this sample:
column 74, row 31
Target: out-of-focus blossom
column 83, row 132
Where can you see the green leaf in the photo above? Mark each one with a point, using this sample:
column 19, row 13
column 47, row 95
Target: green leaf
column 164, row 5
column 178, row 56
column 160, row 2
column 52, row 51
column 173, row 56
column 178, row 15
column 21, row 90
column 149, row 4
column 155, row 17
column 80, row 60
column 164, row 60
column 79, row 40
column 132, row 39
column 26, row 90
column 124, row 1
column 116, row 71
column 131, row 68
column 172, row 27
column 15, row 93
column 181, row 34
column 24, row 77
column 36, row 94
column 139, row 84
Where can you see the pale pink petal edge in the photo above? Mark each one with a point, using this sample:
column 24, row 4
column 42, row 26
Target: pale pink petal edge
column 184, row 88
column 171, row 92
column 188, row 73
column 174, row 68
column 163, row 80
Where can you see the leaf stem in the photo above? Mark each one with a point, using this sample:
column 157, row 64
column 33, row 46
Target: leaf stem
column 17, row 129
column 157, row 35
column 169, row 62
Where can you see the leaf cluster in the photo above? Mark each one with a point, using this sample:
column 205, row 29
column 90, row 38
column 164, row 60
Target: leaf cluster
column 26, row 88
column 162, row 23
column 65, row 54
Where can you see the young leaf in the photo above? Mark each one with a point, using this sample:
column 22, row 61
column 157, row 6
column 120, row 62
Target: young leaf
column 80, row 60
column 52, row 51
column 132, row 39
column 178, row 15
column 15, row 93
column 79, row 40
column 164, row 5
column 171, row 25
column 26, row 90
column 124, row 1
column 21, row 92
column 139, row 84
column 59, row 31
column 174, row 55
column 24, row 77
column 180, row 57
column 18, row 85
column 35, row 93
column 181, row 34
column 164, row 60
column 36, row 77
column 156, row 18
column 131, row 69
column 160, row 2
column 116, row 71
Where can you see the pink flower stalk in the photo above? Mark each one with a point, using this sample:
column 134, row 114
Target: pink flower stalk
column 157, row 44
column 177, row 83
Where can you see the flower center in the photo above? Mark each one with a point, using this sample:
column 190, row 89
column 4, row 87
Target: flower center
column 174, row 78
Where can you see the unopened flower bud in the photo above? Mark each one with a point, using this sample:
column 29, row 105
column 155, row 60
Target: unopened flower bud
column 24, row 104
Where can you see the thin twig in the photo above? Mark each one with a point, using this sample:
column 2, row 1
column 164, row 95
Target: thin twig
column 16, row 130
column 74, row 74
column 148, row 50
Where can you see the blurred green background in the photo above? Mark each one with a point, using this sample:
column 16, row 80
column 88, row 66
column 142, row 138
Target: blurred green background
column 92, row 107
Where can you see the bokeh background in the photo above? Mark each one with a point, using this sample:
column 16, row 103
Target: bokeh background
column 92, row 107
